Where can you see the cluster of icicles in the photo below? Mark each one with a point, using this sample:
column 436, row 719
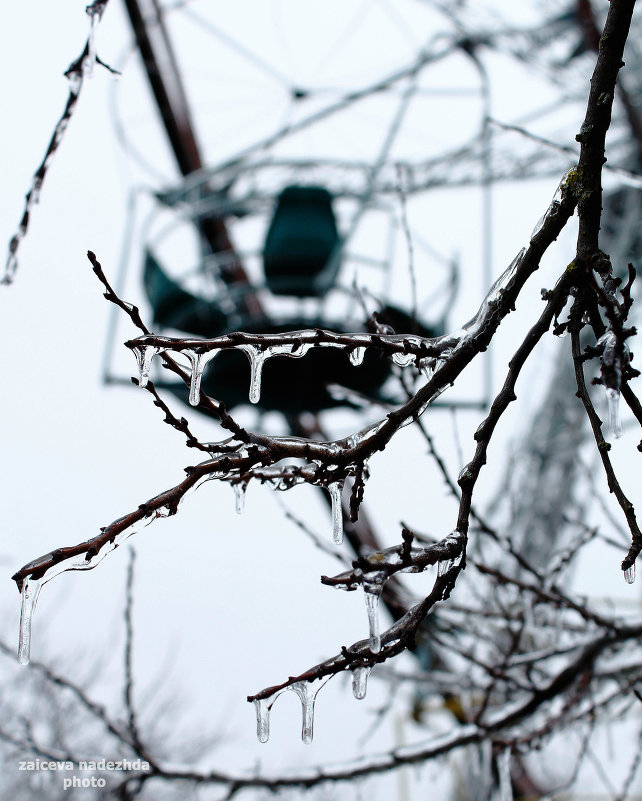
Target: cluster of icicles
column 295, row 345
column 426, row 354
column 307, row 692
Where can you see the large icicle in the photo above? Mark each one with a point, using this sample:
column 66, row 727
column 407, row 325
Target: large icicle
column 307, row 692
column 263, row 706
column 144, row 355
column 471, row 328
column 372, row 593
column 257, row 359
column 239, row 497
column 615, row 423
column 29, row 598
column 336, row 491
column 199, row 362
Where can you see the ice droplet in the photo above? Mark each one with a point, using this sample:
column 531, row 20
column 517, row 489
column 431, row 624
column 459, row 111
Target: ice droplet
column 356, row 356
column 29, row 597
column 263, row 707
column 239, row 496
column 144, row 355
column 336, row 491
column 372, row 608
column 615, row 423
column 629, row 574
column 307, row 695
column 360, row 682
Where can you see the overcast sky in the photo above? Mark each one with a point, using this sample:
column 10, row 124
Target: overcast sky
column 225, row 605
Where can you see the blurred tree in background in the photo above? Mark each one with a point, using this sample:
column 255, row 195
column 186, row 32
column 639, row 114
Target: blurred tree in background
column 508, row 662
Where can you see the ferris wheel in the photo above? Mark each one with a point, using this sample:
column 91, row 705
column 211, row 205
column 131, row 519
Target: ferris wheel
column 307, row 142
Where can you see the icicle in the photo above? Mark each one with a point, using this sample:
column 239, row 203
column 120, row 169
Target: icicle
column 356, row 356
column 257, row 359
column 239, row 495
column 263, row 707
column 613, row 400
column 144, row 355
column 29, row 597
column 199, row 363
column 307, row 695
column 629, row 574
column 360, row 682
column 372, row 608
column 256, row 365
column 336, row 491
column 503, row 768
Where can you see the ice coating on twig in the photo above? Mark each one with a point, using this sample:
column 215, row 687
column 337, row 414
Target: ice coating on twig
column 471, row 328
column 336, row 491
column 444, row 566
column 629, row 574
column 81, row 562
column 613, row 401
column 29, row 598
column 360, row 682
column 554, row 206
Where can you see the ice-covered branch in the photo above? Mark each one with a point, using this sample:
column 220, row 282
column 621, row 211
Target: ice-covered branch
column 358, row 658
column 335, row 460
column 76, row 73
column 515, row 723
column 405, row 558
column 205, row 405
column 469, row 475
column 628, row 565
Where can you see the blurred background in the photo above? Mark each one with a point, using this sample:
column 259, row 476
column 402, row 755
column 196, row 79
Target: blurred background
column 438, row 134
